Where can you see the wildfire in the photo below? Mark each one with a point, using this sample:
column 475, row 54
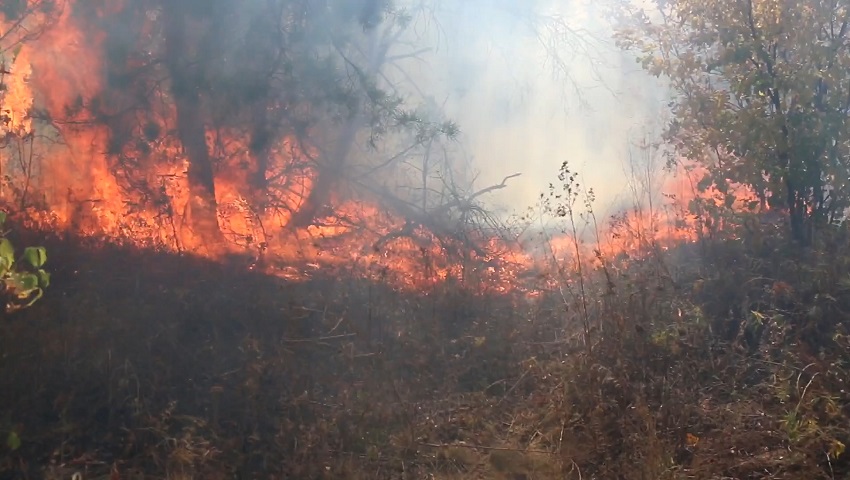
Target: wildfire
column 138, row 192
column 637, row 232
column 90, row 180
column 18, row 97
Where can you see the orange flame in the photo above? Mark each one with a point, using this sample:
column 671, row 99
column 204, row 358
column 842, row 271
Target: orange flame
column 77, row 184
column 76, row 178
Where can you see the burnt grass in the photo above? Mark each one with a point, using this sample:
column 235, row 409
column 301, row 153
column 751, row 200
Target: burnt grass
column 145, row 365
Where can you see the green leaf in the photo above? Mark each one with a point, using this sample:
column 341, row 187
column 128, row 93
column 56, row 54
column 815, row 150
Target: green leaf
column 13, row 441
column 38, row 294
column 7, row 253
column 36, row 256
column 43, row 278
column 704, row 183
column 23, row 284
column 2, row 218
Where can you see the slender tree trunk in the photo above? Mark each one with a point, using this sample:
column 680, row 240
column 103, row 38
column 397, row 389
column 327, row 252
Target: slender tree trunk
column 261, row 143
column 329, row 175
column 185, row 89
column 796, row 212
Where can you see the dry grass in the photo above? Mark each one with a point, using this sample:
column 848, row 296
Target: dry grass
column 142, row 365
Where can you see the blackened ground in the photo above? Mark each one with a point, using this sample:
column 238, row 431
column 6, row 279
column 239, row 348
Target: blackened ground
column 151, row 362
column 730, row 362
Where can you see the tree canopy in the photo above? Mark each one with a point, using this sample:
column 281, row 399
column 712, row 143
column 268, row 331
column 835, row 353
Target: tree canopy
column 761, row 97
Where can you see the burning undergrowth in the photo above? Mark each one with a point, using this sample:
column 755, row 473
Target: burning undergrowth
column 179, row 364
column 148, row 124
column 703, row 360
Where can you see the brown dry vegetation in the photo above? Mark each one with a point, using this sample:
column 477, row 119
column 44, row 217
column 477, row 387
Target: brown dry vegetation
column 722, row 359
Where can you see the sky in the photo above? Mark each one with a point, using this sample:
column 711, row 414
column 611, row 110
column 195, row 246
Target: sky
column 520, row 110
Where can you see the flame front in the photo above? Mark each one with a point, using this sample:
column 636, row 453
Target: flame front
column 82, row 176
column 79, row 162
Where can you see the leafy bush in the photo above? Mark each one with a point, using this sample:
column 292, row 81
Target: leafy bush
column 23, row 279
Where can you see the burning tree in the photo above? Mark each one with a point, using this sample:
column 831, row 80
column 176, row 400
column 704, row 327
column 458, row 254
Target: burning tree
column 761, row 99
column 217, row 127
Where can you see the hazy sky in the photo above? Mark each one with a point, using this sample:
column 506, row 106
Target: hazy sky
column 520, row 112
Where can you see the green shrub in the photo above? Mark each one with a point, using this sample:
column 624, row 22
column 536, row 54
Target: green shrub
column 23, row 278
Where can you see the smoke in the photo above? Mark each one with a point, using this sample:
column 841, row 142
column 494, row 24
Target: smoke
column 533, row 84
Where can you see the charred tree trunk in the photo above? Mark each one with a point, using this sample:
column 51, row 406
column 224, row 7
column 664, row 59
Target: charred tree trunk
column 330, row 173
column 185, row 89
column 261, row 142
column 796, row 213
column 202, row 207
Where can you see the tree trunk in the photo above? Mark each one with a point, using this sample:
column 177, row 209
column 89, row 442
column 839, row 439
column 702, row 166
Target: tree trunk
column 202, row 208
column 796, row 213
column 329, row 175
column 261, row 142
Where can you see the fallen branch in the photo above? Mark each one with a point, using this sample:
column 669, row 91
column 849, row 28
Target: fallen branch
column 482, row 447
column 318, row 339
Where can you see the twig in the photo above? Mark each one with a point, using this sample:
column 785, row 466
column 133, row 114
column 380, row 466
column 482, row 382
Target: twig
column 318, row 339
column 482, row 447
column 574, row 467
column 512, row 388
column 806, row 389
column 336, row 326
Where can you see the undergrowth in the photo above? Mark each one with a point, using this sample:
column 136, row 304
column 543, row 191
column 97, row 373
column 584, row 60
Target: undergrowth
column 721, row 358
column 732, row 366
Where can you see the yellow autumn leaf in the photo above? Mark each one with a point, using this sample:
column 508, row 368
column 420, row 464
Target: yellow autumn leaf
column 836, row 449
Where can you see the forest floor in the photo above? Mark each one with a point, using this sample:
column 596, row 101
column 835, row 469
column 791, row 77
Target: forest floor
column 148, row 365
